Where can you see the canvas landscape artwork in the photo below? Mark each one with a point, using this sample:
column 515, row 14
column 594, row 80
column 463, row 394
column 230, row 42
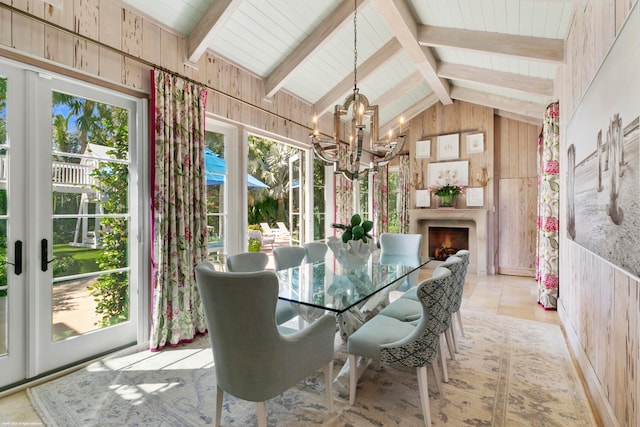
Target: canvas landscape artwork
column 603, row 177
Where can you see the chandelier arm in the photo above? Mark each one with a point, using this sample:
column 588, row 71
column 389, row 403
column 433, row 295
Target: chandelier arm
column 381, row 161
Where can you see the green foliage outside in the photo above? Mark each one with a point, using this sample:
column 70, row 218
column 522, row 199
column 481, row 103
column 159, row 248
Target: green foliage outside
column 254, row 245
column 111, row 291
column 107, row 126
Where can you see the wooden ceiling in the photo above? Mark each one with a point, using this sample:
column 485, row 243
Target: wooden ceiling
column 411, row 54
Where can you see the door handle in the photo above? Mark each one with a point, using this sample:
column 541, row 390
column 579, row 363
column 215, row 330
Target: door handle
column 44, row 255
column 17, row 265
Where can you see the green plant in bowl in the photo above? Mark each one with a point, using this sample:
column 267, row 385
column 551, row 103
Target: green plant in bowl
column 357, row 229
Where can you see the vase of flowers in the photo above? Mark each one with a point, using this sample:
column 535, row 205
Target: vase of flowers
column 447, row 193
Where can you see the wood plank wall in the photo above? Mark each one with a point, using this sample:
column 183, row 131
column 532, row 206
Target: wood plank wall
column 599, row 304
column 516, row 173
column 122, row 46
column 464, row 118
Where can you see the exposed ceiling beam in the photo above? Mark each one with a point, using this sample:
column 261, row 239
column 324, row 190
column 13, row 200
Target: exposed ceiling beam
column 519, row 82
column 518, row 117
column 310, row 45
column 538, row 48
column 337, row 94
column 403, row 25
column 215, row 17
column 498, row 102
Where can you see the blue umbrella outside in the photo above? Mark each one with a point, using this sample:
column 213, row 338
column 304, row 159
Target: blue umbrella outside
column 215, row 168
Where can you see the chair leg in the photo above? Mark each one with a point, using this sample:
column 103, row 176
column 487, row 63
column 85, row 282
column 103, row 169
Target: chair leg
column 424, row 395
column 262, row 414
column 219, row 397
column 328, row 385
column 443, row 362
column 447, row 336
column 460, row 323
column 353, row 378
column 436, row 375
column 453, row 334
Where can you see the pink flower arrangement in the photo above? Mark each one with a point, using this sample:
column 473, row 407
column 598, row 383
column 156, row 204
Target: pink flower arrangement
column 447, row 189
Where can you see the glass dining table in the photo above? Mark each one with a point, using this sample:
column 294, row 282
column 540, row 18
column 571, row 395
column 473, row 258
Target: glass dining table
column 350, row 290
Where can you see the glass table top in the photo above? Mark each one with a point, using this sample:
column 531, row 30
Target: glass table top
column 333, row 286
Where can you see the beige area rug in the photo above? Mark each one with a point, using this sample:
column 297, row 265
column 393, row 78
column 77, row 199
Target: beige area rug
column 508, row 372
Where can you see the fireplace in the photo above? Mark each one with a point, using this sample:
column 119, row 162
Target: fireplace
column 446, row 241
column 475, row 221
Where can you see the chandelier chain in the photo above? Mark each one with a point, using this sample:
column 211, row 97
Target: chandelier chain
column 355, row 45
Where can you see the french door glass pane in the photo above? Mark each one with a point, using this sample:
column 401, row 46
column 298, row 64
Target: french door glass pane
column 90, row 174
column 319, row 209
column 4, row 285
column 216, row 177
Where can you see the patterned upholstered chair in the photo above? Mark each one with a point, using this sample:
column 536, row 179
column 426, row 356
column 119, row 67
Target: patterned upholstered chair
column 408, row 308
column 464, row 254
column 407, row 344
column 253, row 359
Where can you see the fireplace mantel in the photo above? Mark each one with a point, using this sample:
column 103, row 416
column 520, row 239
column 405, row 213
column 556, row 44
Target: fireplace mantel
column 475, row 219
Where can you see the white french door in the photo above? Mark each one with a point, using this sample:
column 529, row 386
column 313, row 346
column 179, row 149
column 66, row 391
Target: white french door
column 70, row 173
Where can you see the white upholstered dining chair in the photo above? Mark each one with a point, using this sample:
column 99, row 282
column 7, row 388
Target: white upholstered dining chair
column 255, row 359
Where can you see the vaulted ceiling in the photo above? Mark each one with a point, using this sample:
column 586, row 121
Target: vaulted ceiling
column 503, row 54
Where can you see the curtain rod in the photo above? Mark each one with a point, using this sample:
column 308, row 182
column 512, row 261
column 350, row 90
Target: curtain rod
column 144, row 62
column 450, row 133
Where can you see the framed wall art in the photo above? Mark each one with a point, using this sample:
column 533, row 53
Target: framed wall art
column 448, row 173
column 475, row 143
column 423, row 198
column 448, row 146
column 602, row 146
column 423, row 149
column 475, row 196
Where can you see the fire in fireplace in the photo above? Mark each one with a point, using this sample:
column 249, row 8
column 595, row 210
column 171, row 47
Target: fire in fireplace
column 446, row 241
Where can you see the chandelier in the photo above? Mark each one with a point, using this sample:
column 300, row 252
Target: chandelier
column 354, row 121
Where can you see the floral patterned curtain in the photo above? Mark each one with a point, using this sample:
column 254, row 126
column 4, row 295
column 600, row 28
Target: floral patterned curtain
column 179, row 225
column 403, row 194
column 548, row 214
column 381, row 201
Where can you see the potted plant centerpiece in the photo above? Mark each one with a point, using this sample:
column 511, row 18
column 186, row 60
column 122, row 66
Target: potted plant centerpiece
column 355, row 245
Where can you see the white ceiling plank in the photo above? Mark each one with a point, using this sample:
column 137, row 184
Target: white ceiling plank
column 551, row 50
column 409, row 113
column 342, row 89
column 314, row 42
column 399, row 89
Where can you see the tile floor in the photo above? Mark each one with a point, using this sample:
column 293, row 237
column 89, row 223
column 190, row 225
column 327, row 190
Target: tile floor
column 505, row 295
